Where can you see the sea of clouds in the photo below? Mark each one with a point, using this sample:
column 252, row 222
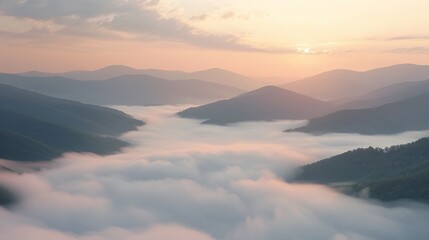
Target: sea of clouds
column 183, row 180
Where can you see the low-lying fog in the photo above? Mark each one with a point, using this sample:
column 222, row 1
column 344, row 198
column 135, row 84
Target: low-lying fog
column 183, row 180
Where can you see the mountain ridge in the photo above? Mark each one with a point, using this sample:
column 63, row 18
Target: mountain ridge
column 407, row 115
column 341, row 83
column 124, row 90
column 264, row 104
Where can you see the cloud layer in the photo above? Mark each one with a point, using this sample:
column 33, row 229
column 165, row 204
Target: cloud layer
column 112, row 19
column 183, row 180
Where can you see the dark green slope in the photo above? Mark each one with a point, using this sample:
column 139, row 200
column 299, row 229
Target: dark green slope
column 20, row 148
column 398, row 172
column 83, row 117
column 34, row 127
column 408, row 115
column 59, row 137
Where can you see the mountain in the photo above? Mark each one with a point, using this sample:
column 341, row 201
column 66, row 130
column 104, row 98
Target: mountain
column 124, row 90
column 264, row 104
column 34, row 127
column 20, row 148
column 408, row 115
column 389, row 94
column 58, row 137
column 398, row 172
column 338, row 84
column 215, row 75
column 83, row 117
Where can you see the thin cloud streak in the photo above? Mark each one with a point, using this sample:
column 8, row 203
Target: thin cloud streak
column 112, row 19
column 411, row 50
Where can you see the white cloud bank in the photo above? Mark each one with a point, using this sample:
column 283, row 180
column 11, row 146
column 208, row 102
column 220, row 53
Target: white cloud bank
column 183, row 180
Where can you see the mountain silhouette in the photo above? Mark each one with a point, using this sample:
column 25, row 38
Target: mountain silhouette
column 214, row 75
column 389, row 94
column 264, row 104
column 407, row 115
column 339, row 84
column 34, row 127
column 124, row 90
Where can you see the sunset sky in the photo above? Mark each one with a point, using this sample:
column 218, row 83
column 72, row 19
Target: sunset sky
column 290, row 38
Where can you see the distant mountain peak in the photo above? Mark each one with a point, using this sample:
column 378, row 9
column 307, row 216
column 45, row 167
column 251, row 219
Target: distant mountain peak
column 274, row 91
column 116, row 68
column 219, row 71
column 264, row 104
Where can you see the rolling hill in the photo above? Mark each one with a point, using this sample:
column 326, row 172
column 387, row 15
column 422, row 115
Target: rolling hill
column 124, row 90
column 339, row 84
column 408, row 115
column 398, row 172
column 264, row 104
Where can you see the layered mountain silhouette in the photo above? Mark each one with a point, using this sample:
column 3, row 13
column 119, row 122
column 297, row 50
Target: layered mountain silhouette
column 34, row 127
column 407, row 115
column 398, row 172
column 214, row 75
column 264, row 104
column 339, row 84
column 124, row 90
column 389, row 94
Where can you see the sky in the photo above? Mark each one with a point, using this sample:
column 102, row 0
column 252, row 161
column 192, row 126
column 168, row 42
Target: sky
column 224, row 183
column 290, row 38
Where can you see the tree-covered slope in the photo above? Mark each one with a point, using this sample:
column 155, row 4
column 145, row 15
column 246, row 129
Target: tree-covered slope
column 398, row 172
column 20, row 148
column 58, row 137
column 84, row 117
column 34, row 127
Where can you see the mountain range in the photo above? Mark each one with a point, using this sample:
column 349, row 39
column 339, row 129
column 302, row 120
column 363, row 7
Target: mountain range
column 337, row 84
column 264, row 104
column 124, row 90
column 407, row 115
column 389, row 94
column 214, row 75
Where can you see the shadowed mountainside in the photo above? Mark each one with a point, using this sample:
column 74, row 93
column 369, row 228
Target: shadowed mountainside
column 398, row 172
column 83, row 117
column 34, row 127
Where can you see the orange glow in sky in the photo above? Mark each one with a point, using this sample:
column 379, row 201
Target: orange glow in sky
column 290, row 38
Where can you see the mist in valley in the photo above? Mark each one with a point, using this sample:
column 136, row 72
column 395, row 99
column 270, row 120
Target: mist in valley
column 184, row 180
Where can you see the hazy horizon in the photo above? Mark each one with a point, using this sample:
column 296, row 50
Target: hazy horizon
column 276, row 38
column 214, row 119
